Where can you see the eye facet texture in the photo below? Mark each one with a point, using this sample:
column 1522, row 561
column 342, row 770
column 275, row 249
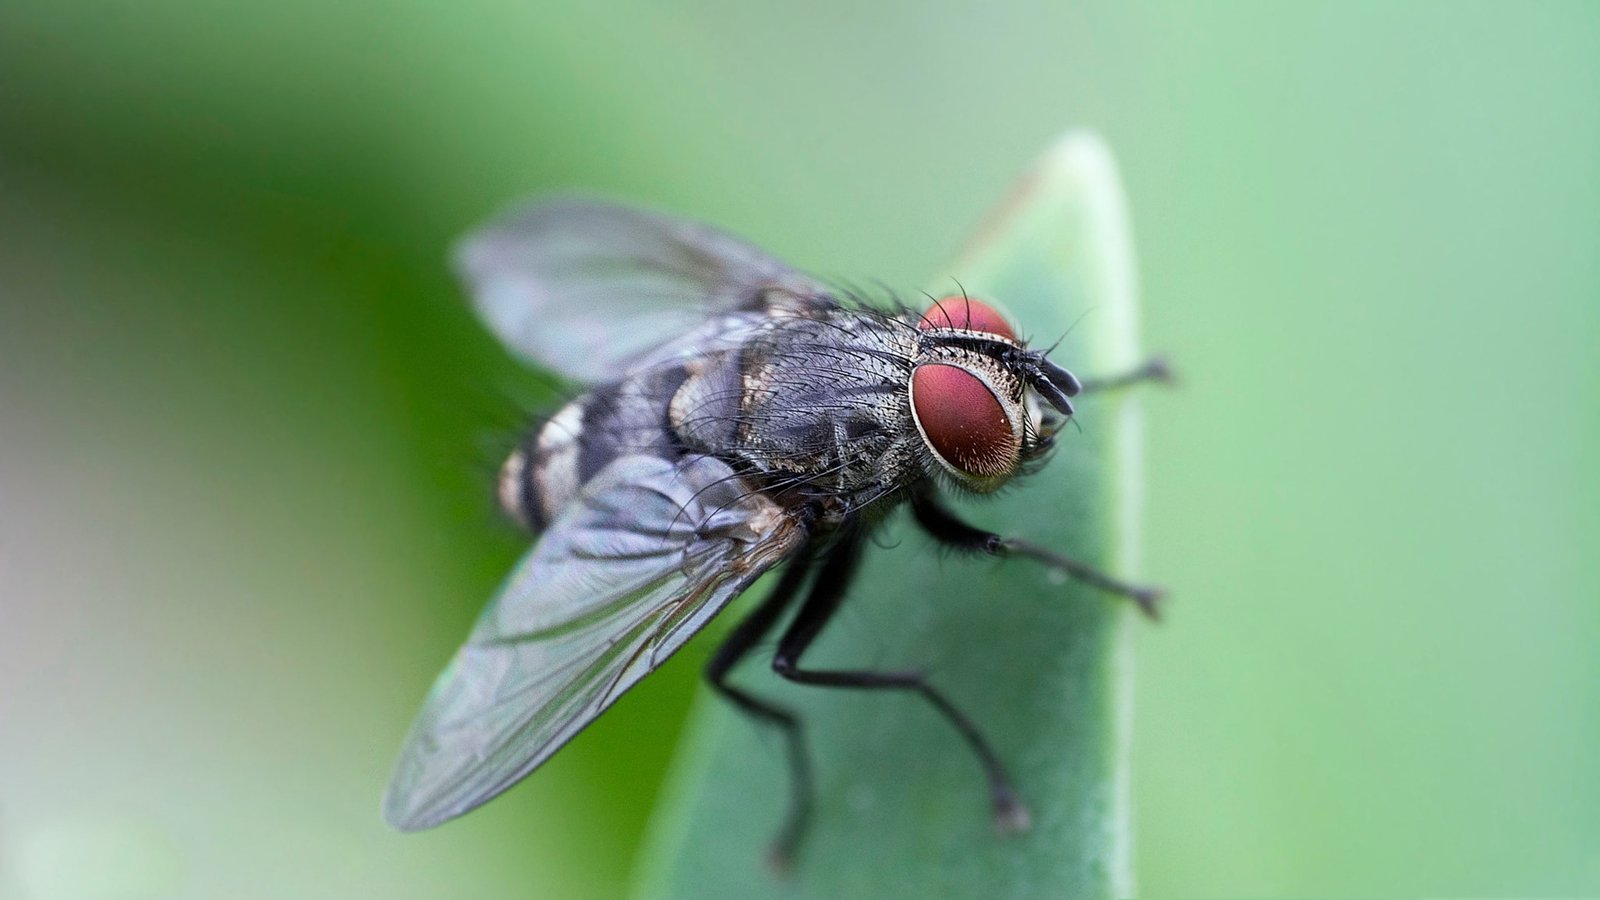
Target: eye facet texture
column 962, row 420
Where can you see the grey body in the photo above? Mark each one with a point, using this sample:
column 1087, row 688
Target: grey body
column 812, row 408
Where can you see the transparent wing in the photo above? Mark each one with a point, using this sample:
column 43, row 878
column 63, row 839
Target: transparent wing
column 591, row 288
column 636, row 565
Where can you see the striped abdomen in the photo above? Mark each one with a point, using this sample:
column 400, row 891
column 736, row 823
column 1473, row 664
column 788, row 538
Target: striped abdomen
column 559, row 456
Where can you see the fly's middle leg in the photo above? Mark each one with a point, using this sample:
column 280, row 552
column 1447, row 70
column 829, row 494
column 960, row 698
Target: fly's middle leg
column 746, row 635
column 1010, row 814
column 952, row 531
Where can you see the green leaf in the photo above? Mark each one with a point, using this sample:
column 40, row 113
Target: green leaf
column 1041, row 663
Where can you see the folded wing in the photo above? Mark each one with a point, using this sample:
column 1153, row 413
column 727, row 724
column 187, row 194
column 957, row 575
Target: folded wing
column 647, row 554
column 594, row 289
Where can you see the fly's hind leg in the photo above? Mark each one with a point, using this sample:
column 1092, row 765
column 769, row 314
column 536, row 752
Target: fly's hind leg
column 1010, row 815
column 746, row 635
column 952, row 531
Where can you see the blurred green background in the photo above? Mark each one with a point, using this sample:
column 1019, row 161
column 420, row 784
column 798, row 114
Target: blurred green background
column 247, row 424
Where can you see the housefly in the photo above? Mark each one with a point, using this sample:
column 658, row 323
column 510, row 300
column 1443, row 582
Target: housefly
column 740, row 416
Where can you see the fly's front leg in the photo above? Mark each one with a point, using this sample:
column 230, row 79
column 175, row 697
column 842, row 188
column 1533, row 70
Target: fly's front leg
column 1154, row 369
column 951, row 531
column 1010, row 815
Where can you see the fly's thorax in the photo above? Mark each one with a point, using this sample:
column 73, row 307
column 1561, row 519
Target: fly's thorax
column 823, row 408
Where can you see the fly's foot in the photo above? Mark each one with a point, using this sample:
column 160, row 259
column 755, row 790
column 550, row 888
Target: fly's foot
column 780, row 859
column 1155, row 369
column 1148, row 599
column 1011, row 815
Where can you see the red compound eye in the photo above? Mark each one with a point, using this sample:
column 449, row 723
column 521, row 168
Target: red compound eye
column 962, row 421
column 967, row 313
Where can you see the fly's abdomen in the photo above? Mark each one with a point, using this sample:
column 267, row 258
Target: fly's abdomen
column 560, row 456
column 541, row 475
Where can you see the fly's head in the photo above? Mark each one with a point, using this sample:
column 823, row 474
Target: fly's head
column 984, row 404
